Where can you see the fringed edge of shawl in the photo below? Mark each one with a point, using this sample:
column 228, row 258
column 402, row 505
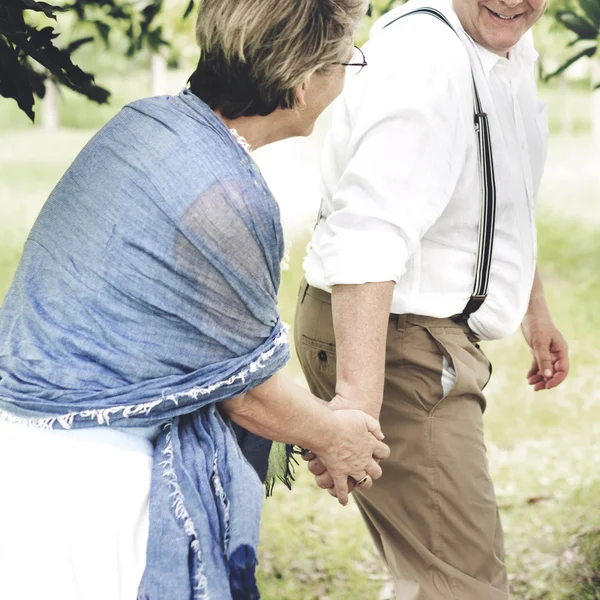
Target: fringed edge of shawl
column 103, row 415
column 287, row 474
column 181, row 513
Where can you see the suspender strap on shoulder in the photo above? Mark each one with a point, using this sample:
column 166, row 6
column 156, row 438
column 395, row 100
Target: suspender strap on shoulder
column 487, row 220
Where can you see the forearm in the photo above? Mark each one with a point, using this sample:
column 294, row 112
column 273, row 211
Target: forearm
column 538, row 306
column 360, row 319
column 281, row 410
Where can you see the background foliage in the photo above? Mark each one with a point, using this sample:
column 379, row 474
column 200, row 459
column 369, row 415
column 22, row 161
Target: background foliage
column 30, row 52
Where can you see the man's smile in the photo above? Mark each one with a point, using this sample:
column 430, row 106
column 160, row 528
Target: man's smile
column 503, row 17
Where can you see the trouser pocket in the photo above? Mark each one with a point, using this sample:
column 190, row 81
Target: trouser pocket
column 471, row 365
column 423, row 363
column 314, row 341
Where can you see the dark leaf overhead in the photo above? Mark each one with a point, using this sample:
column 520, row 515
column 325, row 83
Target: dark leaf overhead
column 31, row 52
column 584, row 23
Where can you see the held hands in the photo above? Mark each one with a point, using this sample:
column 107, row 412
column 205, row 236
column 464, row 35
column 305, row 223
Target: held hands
column 550, row 352
column 351, row 457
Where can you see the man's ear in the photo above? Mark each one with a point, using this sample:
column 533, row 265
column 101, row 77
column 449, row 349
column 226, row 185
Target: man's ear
column 301, row 95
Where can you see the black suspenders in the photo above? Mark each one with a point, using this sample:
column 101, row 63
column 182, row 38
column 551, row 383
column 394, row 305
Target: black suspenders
column 487, row 218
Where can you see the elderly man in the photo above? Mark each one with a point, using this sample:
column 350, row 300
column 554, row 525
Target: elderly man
column 425, row 245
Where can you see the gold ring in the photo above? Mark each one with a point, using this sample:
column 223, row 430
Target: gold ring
column 363, row 480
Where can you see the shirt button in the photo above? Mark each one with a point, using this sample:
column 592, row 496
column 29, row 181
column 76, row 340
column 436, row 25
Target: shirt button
column 322, row 356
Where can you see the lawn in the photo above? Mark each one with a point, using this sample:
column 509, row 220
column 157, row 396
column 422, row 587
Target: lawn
column 544, row 448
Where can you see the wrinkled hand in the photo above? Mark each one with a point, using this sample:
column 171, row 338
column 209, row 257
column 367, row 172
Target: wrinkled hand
column 550, row 352
column 351, row 452
column 324, row 479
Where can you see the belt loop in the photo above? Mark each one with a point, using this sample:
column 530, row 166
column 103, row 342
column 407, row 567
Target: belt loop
column 303, row 290
column 400, row 322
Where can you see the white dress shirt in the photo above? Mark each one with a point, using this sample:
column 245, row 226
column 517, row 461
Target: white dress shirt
column 400, row 176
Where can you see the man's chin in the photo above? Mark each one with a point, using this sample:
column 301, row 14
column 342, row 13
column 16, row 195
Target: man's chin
column 500, row 45
column 306, row 131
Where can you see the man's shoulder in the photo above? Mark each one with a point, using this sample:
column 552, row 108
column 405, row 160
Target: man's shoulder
column 419, row 39
column 401, row 13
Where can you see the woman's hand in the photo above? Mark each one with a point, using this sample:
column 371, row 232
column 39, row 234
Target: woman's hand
column 352, row 451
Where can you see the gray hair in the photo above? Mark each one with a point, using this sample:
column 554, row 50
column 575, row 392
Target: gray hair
column 255, row 53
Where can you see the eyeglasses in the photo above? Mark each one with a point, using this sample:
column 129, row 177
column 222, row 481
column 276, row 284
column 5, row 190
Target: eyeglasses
column 357, row 63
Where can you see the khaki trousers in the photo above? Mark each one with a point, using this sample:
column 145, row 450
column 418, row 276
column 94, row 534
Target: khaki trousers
column 433, row 514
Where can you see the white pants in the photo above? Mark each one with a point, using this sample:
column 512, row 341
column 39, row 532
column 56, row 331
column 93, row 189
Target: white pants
column 73, row 515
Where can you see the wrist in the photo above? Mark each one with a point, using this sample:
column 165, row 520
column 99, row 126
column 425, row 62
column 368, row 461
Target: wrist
column 536, row 317
column 324, row 436
column 350, row 396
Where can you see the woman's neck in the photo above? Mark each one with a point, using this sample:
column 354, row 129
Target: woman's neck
column 259, row 131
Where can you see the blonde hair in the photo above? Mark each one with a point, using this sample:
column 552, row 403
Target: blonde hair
column 255, row 53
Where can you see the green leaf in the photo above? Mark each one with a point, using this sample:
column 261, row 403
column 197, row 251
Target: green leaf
column 47, row 9
column 189, row 9
column 589, row 52
column 78, row 43
column 152, row 10
column 591, row 9
column 14, row 81
column 11, row 20
column 103, row 31
column 578, row 25
column 38, row 44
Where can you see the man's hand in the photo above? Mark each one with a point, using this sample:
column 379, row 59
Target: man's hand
column 322, row 477
column 550, row 353
column 324, row 480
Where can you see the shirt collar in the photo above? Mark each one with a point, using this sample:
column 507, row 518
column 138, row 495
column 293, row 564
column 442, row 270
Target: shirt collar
column 523, row 55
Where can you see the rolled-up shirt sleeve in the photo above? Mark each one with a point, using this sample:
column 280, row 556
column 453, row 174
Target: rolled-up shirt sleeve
column 404, row 155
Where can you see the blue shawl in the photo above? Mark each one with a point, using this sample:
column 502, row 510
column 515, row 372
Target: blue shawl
column 146, row 294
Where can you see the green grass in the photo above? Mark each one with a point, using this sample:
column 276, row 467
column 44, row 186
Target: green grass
column 544, row 448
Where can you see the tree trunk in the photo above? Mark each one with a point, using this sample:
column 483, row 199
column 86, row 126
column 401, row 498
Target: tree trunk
column 596, row 104
column 50, row 114
column 158, row 74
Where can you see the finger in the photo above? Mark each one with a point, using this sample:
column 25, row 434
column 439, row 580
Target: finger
column 374, row 470
column 341, row 487
column 562, row 364
column 544, row 359
column 557, row 379
column 351, row 486
column 539, row 386
column 535, row 378
column 316, row 467
column 533, row 370
column 381, row 451
column 561, row 370
column 358, row 479
column 307, row 455
column 324, row 481
column 374, row 427
column 367, row 484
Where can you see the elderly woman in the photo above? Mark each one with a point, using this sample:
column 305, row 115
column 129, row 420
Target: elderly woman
column 142, row 320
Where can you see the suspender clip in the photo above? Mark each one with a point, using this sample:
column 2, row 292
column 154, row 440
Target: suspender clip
column 478, row 117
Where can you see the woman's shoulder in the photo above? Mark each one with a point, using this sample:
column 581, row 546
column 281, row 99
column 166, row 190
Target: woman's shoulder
column 175, row 146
